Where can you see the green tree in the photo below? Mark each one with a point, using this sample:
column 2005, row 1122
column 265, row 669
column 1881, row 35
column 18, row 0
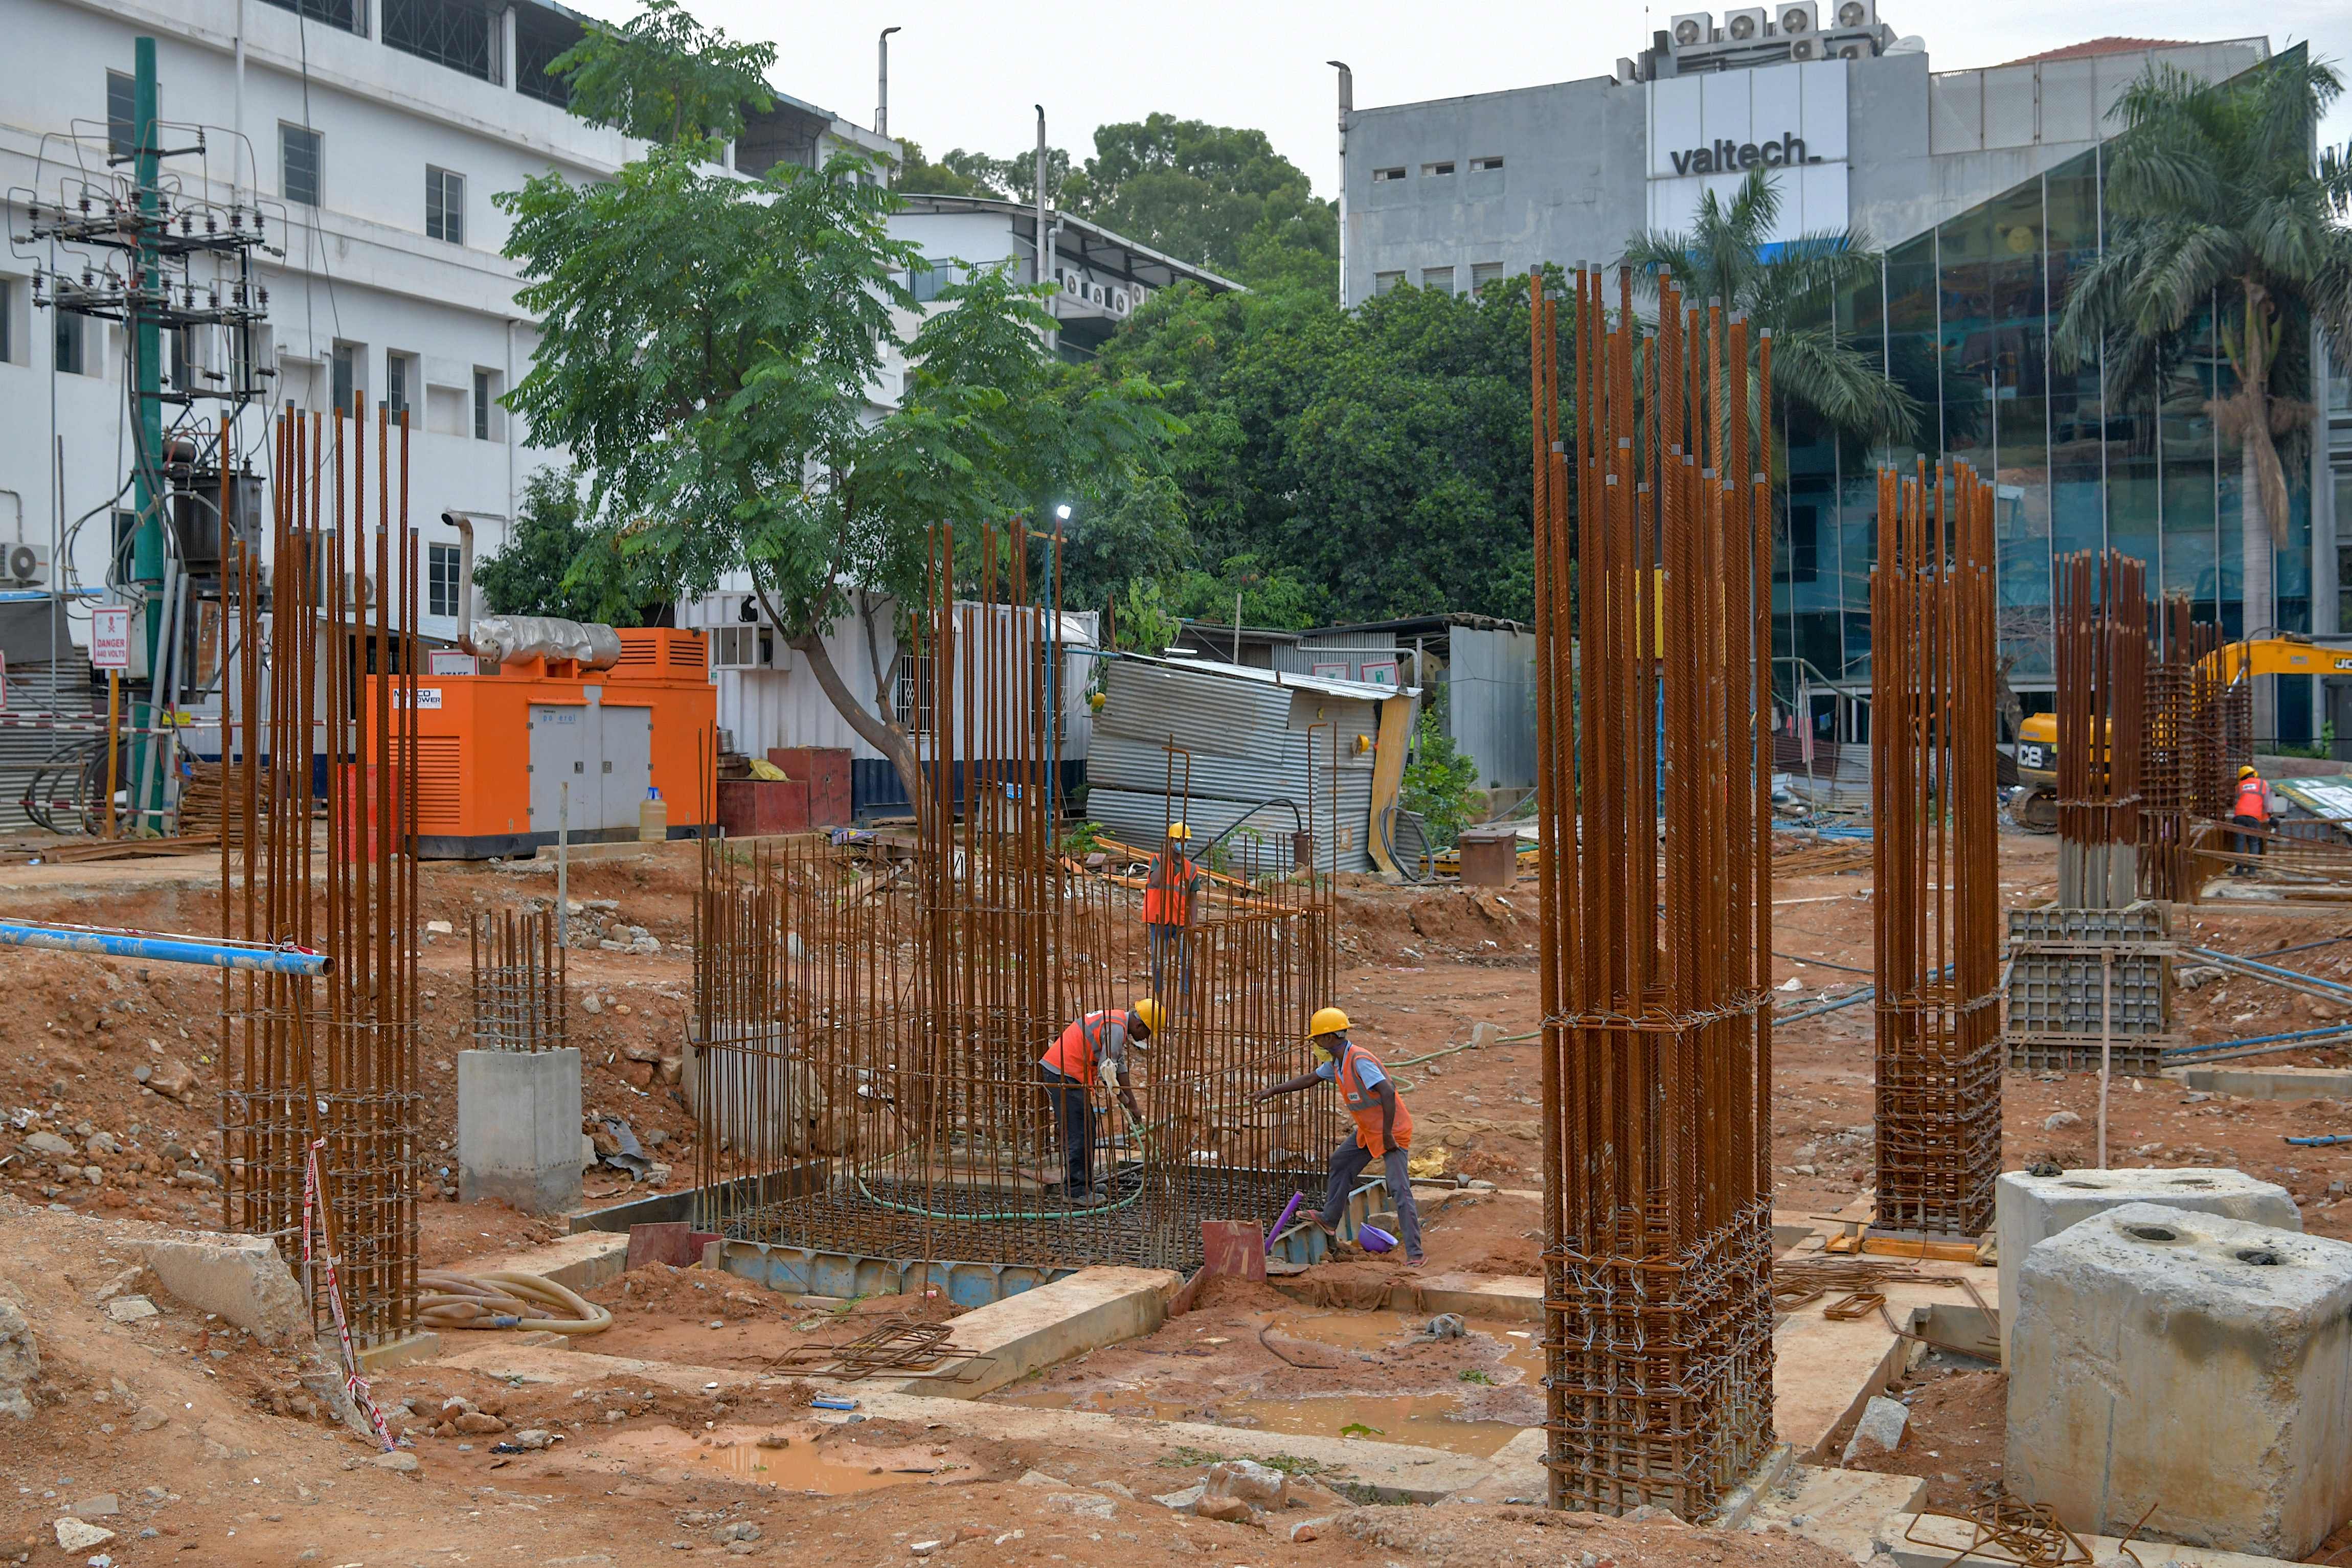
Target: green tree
column 734, row 433
column 2215, row 203
column 1267, row 595
column 967, row 173
column 664, row 76
column 555, row 563
column 1215, row 195
column 1790, row 288
column 1440, row 785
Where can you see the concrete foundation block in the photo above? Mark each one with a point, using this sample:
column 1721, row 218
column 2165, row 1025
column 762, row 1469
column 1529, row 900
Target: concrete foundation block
column 2028, row 1208
column 518, row 1128
column 2191, row 1362
column 242, row 1278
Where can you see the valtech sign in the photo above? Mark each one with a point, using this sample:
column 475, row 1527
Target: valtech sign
column 1725, row 156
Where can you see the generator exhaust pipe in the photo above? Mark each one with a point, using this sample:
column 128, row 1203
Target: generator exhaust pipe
column 464, row 527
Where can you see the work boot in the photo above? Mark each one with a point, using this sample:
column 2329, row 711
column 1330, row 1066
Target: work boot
column 1093, row 1199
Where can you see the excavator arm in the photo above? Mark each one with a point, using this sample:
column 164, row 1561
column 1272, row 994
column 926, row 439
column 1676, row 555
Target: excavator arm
column 2280, row 657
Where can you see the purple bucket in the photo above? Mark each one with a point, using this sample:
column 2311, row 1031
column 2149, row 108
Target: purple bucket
column 1373, row 1238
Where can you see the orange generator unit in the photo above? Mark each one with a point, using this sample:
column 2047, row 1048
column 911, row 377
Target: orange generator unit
column 495, row 752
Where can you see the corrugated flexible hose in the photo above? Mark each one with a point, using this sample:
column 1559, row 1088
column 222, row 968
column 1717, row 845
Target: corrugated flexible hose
column 504, row 1299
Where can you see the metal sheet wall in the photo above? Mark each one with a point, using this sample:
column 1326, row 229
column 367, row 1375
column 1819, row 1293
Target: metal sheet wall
column 65, row 691
column 1491, row 704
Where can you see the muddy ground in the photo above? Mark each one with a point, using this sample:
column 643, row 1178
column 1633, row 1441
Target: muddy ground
column 214, row 1450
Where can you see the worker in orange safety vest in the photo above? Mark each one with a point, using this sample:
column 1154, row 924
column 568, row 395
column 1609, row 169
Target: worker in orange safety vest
column 1383, row 1127
column 2252, row 812
column 1171, row 909
column 1092, row 1049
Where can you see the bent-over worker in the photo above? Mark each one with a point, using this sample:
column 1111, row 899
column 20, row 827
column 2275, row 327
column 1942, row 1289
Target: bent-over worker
column 1383, row 1127
column 1170, row 908
column 1092, row 1049
column 2252, row 812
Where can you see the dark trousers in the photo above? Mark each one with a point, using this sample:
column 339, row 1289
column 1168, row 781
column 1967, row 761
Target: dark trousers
column 2248, row 842
column 1171, row 959
column 1348, row 1163
column 1076, row 1118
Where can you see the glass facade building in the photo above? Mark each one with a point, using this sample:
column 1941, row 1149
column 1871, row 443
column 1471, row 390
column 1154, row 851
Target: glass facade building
column 1962, row 316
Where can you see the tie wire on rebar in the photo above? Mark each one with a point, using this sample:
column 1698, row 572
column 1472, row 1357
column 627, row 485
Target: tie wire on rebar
column 869, row 1019
column 1653, row 577
column 1936, row 872
column 322, row 691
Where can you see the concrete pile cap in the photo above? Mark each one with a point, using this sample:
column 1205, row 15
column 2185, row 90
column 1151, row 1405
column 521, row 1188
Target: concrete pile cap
column 2207, row 1259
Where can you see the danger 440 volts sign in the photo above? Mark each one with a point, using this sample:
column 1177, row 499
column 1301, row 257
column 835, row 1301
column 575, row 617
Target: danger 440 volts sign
column 109, row 637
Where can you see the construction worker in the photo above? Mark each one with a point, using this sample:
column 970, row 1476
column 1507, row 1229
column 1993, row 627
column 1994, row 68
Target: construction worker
column 1383, row 1127
column 2251, row 813
column 1171, row 905
column 1091, row 1050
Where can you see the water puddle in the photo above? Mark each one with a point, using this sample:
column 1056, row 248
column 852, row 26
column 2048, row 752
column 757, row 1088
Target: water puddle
column 736, row 1454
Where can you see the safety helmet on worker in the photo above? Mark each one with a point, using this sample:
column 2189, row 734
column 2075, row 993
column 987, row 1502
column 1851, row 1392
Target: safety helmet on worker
column 1326, row 1022
column 2246, row 772
column 1179, row 832
column 1149, row 1014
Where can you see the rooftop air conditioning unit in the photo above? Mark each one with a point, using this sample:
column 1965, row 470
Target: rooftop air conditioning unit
column 1857, row 13
column 1692, row 28
column 28, row 564
column 1804, row 47
column 1745, row 26
column 1854, row 49
column 1119, row 306
column 1800, row 19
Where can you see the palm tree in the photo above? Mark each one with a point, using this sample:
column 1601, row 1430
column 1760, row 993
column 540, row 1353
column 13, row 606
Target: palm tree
column 1792, row 290
column 2215, row 202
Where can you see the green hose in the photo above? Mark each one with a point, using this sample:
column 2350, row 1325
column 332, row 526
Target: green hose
column 1142, row 1136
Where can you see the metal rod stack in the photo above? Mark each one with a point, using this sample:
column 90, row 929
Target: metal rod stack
column 2185, row 772
column 1936, row 853
column 869, row 1022
column 2102, row 670
column 322, row 689
column 1654, row 720
column 519, row 981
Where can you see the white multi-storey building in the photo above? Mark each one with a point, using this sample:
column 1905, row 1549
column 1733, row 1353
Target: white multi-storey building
column 374, row 133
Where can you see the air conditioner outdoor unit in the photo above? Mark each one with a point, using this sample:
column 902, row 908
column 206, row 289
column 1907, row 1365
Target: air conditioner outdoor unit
column 1804, row 48
column 1073, row 285
column 1857, row 13
column 1745, row 26
column 1119, row 306
column 1692, row 28
column 1854, row 49
column 28, row 564
column 1800, row 19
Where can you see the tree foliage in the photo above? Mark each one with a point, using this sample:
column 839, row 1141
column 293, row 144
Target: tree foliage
column 1789, row 287
column 1440, row 785
column 555, row 563
column 664, row 76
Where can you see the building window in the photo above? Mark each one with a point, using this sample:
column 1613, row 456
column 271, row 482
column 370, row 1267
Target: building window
column 344, row 14
column 8, row 321
column 1384, row 281
column 297, row 164
column 441, row 579
column 445, row 206
column 399, row 383
column 483, row 393
column 925, row 282
column 1387, row 176
column 1482, row 273
column 346, row 383
column 72, row 359
column 542, row 33
column 1439, row 279
column 1799, row 555
column 1437, row 171
column 463, row 35
column 1485, row 165
column 121, row 114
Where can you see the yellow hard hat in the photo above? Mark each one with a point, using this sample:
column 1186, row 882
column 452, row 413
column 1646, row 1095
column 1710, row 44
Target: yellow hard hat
column 1149, row 1014
column 1326, row 1020
column 1179, row 832
column 2245, row 772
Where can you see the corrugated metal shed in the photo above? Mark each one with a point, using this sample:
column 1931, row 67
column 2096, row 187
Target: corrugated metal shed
column 1490, row 703
column 1256, row 738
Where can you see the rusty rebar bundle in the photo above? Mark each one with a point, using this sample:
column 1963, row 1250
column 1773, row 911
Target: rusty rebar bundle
column 865, row 1061
column 325, row 667
column 2102, row 664
column 1934, row 799
column 2187, row 772
column 518, row 995
column 1654, row 717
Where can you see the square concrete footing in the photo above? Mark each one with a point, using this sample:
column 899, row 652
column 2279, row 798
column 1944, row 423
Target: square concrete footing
column 2189, row 1362
column 518, row 1128
column 2028, row 1208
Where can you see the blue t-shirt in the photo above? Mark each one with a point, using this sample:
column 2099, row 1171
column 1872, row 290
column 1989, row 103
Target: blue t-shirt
column 1368, row 1072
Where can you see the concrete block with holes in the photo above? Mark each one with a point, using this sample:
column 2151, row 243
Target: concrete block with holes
column 2188, row 1363
column 2028, row 1208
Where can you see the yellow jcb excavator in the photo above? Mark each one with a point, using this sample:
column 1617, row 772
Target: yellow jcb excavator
column 2035, row 804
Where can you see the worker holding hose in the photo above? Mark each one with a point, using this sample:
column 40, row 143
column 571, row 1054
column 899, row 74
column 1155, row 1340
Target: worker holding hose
column 1092, row 1049
column 1383, row 1127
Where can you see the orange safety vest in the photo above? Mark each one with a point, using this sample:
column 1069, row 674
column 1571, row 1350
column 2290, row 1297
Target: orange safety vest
column 1073, row 1055
column 1168, row 892
column 1365, row 1106
column 2254, row 799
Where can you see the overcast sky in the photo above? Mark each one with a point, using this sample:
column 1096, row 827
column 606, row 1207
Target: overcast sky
column 966, row 76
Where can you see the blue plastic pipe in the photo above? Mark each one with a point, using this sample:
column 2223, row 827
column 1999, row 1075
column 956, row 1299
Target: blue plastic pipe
column 161, row 949
column 2259, row 1044
column 2322, row 1142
